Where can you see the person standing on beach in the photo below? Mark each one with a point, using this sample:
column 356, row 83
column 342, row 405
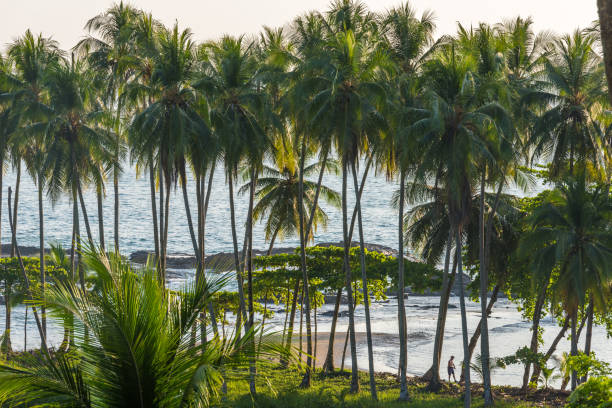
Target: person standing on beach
column 451, row 369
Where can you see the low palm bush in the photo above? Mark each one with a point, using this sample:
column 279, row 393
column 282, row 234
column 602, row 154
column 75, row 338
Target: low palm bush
column 131, row 345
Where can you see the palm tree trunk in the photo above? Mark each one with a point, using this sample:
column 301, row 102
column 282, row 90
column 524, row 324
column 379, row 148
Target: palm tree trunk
column 272, row 240
column 116, row 193
column 328, row 364
column 26, row 282
column 203, row 210
column 589, row 334
column 484, row 289
column 364, row 282
column 315, row 201
column 25, row 329
column 6, row 341
column 194, row 242
column 467, row 400
column 349, row 281
column 574, row 347
column 242, row 306
column 77, row 230
column 401, row 308
column 284, row 357
column 329, row 359
column 537, row 369
column 100, row 199
column 85, row 217
column 41, row 241
column 74, row 247
column 433, row 374
column 161, row 259
column 252, row 367
column 15, row 206
column 154, row 208
column 535, row 329
column 477, row 331
column 166, row 220
column 305, row 282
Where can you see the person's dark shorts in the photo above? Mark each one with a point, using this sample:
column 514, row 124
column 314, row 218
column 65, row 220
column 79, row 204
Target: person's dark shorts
column 451, row 371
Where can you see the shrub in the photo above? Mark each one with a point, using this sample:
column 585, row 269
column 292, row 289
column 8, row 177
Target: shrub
column 595, row 393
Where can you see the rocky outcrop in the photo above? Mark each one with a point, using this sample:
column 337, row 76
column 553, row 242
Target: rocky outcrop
column 224, row 261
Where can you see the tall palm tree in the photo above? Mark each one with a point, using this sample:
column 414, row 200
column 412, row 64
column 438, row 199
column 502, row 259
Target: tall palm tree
column 570, row 231
column 171, row 124
column 452, row 146
column 109, row 46
column 278, row 193
column 72, row 136
column 574, row 90
column 238, row 114
column 347, row 105
column 32, row 57
column 409, row 40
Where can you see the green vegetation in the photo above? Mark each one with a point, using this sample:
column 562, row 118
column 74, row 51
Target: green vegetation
column 456, row 122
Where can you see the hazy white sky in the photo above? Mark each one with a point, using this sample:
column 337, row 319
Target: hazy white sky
column 64, row 19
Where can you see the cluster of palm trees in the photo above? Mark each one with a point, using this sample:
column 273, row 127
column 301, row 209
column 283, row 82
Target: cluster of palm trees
column 452, row 120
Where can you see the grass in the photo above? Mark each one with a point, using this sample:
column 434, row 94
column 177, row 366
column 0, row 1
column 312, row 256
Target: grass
column 280, row 389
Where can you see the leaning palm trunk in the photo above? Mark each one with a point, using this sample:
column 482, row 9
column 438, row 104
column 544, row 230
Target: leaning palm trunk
column 589, row 334
column 15, row 206
column 305, row 281
column 574, row 347
column 328, row 365
column 41, row 241
column 161, row 258
column 6, row 346
column 535, row 330
column 477, row 331
column 349, row 281
column 283, row 360
column 364, row 282
column 433, row 374
column 537, row 369
column 252, row 367
column 100, row 199
column 26, row 282
column 85, row 217
column 464, row 330
column 484, row 288
column 401, row 309
column 154, row 208
column 242, row 307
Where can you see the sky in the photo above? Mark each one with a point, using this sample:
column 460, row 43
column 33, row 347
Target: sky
column 209, row 19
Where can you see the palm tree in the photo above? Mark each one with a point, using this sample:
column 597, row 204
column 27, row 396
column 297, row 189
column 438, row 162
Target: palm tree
column 72, row 137
column 574, row 89
column 347, row 105
column 570, row 232
column 110, row 52
column 171, row 124
column 452, row 147
column 238, row 115
column 278, row 196
column 409, row 40
column 32, row 56
column 133, row 345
